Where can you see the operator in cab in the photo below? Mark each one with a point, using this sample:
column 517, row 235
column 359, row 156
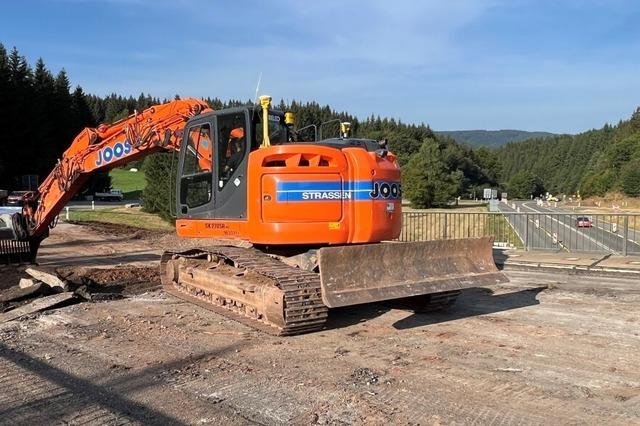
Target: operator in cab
column 236, row 145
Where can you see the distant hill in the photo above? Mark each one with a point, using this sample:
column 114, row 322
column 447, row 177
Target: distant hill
column 492, row 138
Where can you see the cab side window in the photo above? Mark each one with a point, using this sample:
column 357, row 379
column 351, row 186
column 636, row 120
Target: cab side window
column 232, row 146
column 196, row 182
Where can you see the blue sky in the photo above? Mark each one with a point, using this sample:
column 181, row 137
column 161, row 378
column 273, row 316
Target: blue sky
column 560, row 66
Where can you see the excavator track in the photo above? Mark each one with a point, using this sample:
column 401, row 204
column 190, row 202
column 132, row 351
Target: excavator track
column 302, row 309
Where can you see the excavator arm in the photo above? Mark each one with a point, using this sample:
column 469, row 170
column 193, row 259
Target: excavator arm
column 158, row 128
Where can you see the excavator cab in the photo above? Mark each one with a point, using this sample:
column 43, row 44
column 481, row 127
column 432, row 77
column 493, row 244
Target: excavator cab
column 212, row 168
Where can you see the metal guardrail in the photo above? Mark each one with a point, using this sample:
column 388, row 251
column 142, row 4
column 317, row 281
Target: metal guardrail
column 608, row 233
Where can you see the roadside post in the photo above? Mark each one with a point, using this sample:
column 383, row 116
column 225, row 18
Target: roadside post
column 444, row 228
column 526, row 231
column 625, row 238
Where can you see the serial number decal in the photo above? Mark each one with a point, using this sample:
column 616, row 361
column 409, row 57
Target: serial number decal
column 216, row 226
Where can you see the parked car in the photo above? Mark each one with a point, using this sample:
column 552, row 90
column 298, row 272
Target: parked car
column 16, row 198
column 113, row 195
column 584, row 222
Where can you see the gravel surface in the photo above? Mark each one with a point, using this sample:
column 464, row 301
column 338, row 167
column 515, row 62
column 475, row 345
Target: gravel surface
column 543, row 349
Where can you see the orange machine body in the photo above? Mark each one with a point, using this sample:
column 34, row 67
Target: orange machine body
column 310, row 194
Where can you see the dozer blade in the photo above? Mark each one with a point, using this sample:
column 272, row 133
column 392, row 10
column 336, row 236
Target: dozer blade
column 351, row 275
column 15, row 247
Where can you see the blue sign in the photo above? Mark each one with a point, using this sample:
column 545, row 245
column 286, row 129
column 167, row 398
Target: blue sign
column 336, row 190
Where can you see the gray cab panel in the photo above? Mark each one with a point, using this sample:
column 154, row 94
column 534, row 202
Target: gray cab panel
column 212, row 168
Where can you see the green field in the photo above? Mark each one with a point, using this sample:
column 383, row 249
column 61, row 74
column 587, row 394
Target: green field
column 124, row 216
column 130, row 183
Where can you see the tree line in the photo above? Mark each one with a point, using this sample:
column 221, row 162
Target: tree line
column 592, row 163
column 40, row 114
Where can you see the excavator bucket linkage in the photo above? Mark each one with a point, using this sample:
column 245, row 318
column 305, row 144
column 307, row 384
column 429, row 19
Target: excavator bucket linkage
column 352, row 275
column 15, row 248
column 16, row 252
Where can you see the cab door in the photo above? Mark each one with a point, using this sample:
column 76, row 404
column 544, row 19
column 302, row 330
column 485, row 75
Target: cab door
column 233, row 145
column 196, row 190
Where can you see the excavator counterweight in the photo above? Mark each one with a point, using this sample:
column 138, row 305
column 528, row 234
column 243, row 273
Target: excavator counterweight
column 300, row 227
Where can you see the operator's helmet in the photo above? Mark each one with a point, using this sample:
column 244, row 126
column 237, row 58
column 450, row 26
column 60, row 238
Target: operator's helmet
column 236, row 137
column 237, row 133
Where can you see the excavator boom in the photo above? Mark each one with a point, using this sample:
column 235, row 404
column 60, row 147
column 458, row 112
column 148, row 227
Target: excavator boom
column 157, row 128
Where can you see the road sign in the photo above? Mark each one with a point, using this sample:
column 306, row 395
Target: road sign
column 487, row 193
column 555, row 238
column 537, row 223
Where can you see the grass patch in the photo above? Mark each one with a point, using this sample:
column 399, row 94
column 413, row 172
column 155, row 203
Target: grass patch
column 499, row 226
column 134, row 217
column 437, row 224
column 130, row 183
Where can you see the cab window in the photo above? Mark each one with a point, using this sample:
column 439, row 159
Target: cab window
column 232, row 146
column 197, row 169
column 277, row 130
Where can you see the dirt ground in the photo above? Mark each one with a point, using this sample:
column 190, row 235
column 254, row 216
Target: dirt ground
column 543, row 349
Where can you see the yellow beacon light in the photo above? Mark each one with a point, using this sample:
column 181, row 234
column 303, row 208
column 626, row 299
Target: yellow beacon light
column 289, row 118
column 265, row 103
column 345, row 129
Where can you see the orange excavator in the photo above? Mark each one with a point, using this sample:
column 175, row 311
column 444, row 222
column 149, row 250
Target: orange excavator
column 282, row 230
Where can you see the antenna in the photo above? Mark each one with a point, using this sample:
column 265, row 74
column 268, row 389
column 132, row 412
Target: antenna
column 255, row 101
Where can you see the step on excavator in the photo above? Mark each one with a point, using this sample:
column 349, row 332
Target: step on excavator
column 285, row 229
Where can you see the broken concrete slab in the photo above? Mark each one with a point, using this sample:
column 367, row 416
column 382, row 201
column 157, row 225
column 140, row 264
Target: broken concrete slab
column 36, row 306
column 7, row 231
column 16, row 293
column 84, row 293
column 26, row 282
column 49, row 278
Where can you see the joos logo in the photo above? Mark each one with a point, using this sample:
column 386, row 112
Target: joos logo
column 108, row 154
column 386, row 190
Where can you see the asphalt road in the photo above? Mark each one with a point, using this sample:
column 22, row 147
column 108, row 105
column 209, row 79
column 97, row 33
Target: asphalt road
column 551, row 228
column 77, row 205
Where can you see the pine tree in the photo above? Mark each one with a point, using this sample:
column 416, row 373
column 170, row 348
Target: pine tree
column 630, row 178
column 19, row 70
column 158, row 195
column 4, row 105
column 428, row 182
column 525, row 185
